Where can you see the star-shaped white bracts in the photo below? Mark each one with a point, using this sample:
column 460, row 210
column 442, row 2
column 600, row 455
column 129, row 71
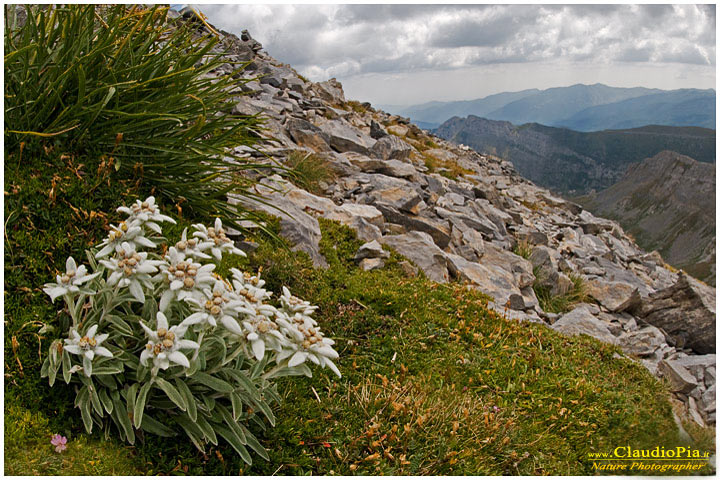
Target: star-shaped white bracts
column 307, row 342
column 131, row 269
column 88, row 346
column 250, row 287
column 146, row 214
column 193, row 247
column 126, row 232
column 217, row 236
column 187, row 279
column 164, row 344
column 70, row 281
column 216, row 305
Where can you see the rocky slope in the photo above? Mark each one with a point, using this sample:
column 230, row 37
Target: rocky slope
column 588, row 161
column 667, row 203
column 458, row 215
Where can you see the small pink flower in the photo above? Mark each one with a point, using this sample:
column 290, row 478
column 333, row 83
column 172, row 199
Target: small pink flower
column 59, row 441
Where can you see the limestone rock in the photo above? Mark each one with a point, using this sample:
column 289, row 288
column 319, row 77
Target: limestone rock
column 344, row 138
column 580, row 321
column 686, row 311
column 331, row 91
column 391, row 147
column 615, row 296
column 400, row 198
column 489, row 279
column 371, row 263
column 680, row 379
column 643, row 342
column 306, row 134
column 371, row 250
column 420, row 249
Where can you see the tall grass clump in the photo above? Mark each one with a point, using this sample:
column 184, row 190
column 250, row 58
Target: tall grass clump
column 131, row 88
column 559, row 302
column 308, row 170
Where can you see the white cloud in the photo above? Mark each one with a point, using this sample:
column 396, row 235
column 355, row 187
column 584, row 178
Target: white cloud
column 372, row 41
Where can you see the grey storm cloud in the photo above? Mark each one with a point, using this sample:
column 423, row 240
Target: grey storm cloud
column 340, row 40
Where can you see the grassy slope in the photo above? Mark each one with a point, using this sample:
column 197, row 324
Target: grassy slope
column 433, row 382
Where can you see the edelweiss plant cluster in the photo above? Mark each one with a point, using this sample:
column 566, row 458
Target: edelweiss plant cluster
column 161, row 343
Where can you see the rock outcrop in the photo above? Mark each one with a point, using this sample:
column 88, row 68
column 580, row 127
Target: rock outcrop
column 462, row 216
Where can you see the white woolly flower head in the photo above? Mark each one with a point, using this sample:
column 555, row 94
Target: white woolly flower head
column 131, row 269
column 186, row 278
column 217, row 236
column 146, row 213
column 88, row 346
column 250, row 287
column 193, row 247
column 165, row 344
column 130, row 232
column 293, row 304
column 306, row 342
column 70, row 281
column 216, row 304
column 258, row 330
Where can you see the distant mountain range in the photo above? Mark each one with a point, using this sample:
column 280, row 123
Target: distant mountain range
column 572, row 162
column 668, row 203
column 578, row 107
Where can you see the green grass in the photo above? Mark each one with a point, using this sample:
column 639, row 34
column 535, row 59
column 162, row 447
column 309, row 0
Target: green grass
column 308, row 170
column 28, row 450
column 523, row 249
column 424, row 367
column 563, row 302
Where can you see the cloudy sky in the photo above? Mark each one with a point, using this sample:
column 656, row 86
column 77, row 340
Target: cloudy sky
column 409, row 54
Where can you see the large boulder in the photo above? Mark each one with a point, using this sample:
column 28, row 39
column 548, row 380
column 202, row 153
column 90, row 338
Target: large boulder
column 392, row 168
column 298, row 227
column 400, row 198
column 685, row 311
column 306, row 134
column 615, row 296
column 580, row 321
column 489, row 279
column 420, row 249
column 438, row 230
column 391, row 147
column 680, row 379
column 331, row 91
column 345, row 138
column 643, row 342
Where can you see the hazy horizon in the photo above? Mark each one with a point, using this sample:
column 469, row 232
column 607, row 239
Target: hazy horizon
column 539, row 89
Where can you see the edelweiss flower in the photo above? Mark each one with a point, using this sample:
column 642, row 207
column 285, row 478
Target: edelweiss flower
column 216, row 235
column 293, row 304
column 146, row 214
column 165, row 344
column 187, row 279
column 216, row 305
column 70, row 281
column 193, row 248
column 306, row 340
column 250, row 287
column 125, row 232
column 87, row 346
column 131, row 269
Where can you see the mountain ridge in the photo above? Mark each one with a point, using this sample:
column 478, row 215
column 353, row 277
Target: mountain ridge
column 579, row 107
column 667, row 202
column 587, row 160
